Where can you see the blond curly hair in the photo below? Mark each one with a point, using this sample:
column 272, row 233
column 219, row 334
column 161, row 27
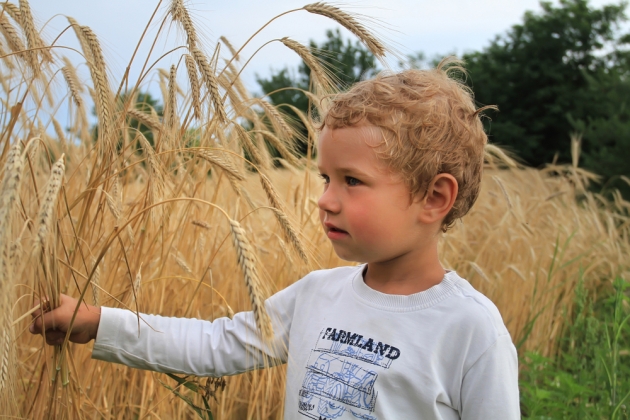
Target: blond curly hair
column 430, row 125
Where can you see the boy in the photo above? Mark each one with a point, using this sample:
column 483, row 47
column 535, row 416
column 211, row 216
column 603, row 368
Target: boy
column 398, row 337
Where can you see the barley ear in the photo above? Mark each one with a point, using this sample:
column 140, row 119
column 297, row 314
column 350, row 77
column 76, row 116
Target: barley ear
column 279, row 212
column 171, row 100
column 96, row 283
column 72, row 80
column 230, row 47
column 180, row 14
column 226, row 165
column 45, row 217
column 211, row 83
column 11, row 36
column 33, row 40
column 5, row 348
column 10, row 186
column 319, row 73
column 13, row 11
column 247, row 261
column 147, row 119
column 277, row 120
column 103, row 96
column 137, row 285
column 193, row 77
column 350, row 23
column 179, row 259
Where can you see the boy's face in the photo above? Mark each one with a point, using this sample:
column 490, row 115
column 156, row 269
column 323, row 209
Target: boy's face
column 365, row 209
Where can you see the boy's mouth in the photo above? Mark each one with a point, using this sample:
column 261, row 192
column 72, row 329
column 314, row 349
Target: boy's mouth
column 334, row 232
column 337, row 230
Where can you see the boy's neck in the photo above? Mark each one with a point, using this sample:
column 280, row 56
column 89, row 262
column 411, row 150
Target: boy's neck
column 407, row 274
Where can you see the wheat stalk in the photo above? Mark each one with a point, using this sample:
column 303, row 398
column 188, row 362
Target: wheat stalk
column 10, row 66
column 137, row 284
column 85, row 47
column 210, row 81
column 10, row 186
column 47, row 207
column 5, row 348
column 11, row 35
column 230, row 47
column 249, row 146
column 318, row 72
column 171, row 100
column 103, row 99
column 350, row 23
column 194, row 85
column 180, row 14
column 283, row 220
column 59, row 131
column 227, row 166
column 281, row 147
column 284, row 249
column 96, row 283
column 503, row 190
column 234, row 82
column 247, row 261
column 15, row 251
column 14, row 43
column 156, row 179
column 277, row 120
column 201, row 224
column 12, row 10
column 33, row 40
column 111, row 204
column 182, row 262
column 147, row 119
column 72, row 80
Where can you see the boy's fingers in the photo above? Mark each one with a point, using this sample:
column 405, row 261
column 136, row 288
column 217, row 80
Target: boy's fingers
column 55, row 337
column 43, row 322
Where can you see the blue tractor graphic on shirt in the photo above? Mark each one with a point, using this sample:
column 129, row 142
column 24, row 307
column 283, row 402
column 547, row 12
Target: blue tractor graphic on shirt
column 333, row 383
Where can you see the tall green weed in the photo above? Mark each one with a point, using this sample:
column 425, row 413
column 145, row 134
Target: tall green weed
column 590, row 376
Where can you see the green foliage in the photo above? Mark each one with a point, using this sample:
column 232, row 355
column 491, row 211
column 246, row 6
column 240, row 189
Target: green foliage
column 563, row 70
column 204, row 391
column 348, row 62
column 590, row 377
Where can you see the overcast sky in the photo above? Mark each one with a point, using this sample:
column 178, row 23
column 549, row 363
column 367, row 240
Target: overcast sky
column 432, row 26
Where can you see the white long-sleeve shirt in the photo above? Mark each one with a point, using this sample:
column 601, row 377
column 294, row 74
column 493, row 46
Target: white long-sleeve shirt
column 352, row 352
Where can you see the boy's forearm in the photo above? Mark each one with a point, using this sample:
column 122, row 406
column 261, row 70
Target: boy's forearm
column 179, row 345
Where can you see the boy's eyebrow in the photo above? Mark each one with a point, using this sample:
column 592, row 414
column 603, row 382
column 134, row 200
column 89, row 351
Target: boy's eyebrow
column 352, row 170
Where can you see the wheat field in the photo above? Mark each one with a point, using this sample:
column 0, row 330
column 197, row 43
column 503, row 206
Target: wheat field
column 186, row 212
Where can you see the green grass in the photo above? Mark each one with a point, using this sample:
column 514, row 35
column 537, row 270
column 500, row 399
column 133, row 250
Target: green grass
column 590, row 376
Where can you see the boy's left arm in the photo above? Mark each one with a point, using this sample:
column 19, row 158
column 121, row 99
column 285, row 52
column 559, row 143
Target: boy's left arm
column 490, row 387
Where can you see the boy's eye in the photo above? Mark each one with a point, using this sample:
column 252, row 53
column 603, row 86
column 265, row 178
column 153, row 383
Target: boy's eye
column 325, row 178
column 352, row 181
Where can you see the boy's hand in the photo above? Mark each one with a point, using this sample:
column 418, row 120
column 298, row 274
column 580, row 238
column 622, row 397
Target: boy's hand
column 57, row 321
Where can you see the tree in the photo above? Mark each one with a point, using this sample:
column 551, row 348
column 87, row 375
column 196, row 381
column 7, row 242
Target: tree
column 348, row 62
column 560, row 71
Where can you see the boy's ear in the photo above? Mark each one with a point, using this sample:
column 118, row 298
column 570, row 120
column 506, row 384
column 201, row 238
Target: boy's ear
column 439, row 199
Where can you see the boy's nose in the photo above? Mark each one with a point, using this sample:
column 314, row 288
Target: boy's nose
column 329, row 202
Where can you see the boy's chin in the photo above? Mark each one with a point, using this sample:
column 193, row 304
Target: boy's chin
column 349, row 256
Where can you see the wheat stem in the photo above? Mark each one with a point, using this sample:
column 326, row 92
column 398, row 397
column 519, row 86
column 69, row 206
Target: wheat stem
column 247, row 261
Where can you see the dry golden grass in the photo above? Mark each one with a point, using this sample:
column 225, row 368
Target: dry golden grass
column 175, row 221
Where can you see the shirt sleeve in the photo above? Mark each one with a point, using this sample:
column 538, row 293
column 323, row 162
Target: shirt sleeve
column 192, row 346
column 490, row 387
